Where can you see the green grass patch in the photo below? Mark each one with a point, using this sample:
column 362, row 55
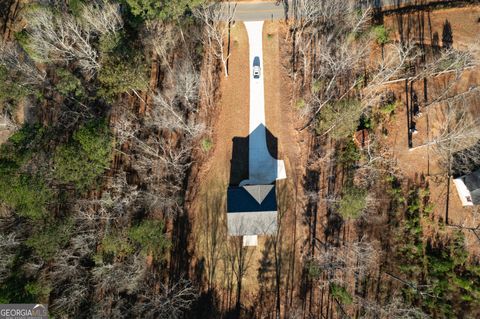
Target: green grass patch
column 206, row 144
column 352, row 203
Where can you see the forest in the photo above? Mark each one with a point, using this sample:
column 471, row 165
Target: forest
column 116, row 127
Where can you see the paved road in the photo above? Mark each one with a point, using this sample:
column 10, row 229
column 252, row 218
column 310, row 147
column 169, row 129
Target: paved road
column 258, row 11
column 267, row 10
column 263, row 168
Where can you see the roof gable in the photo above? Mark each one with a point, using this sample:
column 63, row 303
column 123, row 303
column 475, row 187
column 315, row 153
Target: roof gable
column 258, row 192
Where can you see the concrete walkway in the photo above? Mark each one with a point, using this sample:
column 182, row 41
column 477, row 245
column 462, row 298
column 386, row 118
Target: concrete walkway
column 263, row 168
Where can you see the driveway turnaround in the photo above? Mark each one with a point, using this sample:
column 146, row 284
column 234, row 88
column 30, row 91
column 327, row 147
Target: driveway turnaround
column 263, row 168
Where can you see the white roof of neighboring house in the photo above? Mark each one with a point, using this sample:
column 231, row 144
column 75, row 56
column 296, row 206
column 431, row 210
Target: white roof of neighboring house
column 468, row 188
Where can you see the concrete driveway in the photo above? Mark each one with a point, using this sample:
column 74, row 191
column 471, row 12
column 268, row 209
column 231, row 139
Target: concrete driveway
column 263, row 168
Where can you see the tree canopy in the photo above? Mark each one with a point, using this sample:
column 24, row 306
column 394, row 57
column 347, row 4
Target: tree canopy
column 161, row 9
column 86, row 156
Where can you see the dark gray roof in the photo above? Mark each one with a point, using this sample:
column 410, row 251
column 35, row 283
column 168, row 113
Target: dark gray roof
column 251, row 198
column 472, row 182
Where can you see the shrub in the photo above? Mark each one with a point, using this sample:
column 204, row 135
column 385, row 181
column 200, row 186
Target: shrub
column 339, row 119
column 389, row 108
column 317, row 85
column 381, row 34
column 69, row 84
column 48, row 240
column 26, row 194
column 109, row 43
column 11, row 92
column 120, row 75
column 17, row 287
column 40, row 290
column 300, row 104
column 206, row 144
column 149, row 235
column 24, row 41
column 313, row 270
column 341, row 294
column 75, row 7
column 349, row 155
column 116, row 244
column 161, row 9
column 22, row 144
column 86, row 157
column 352, row 203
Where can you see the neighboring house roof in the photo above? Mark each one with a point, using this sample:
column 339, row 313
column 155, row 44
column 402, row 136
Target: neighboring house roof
column 251, row 210
column 472, row 182
column 468, row 188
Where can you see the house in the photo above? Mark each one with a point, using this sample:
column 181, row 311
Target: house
column 251, row 211
column 468, row 188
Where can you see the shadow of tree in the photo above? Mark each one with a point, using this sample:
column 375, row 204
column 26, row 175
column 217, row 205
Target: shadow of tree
column 447, row 35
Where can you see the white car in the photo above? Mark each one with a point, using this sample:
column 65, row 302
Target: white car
column 256, row 67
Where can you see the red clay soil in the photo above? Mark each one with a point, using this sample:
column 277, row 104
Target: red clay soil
column 232, row 120
column 461, row 26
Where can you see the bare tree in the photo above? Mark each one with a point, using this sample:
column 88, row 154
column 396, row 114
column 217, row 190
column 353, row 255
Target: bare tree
column 162, row 38
column 459, row 131
column 158, row 146
column 458, row 134
column 7, row 122
column 64, row 38
column 394, row 309
column 359, row 258
column 23, row 69
column 121, row 277
column 116, row 201
column 170, row 303
column 61, row 38
column 187, row 81
column 70, row 284
column 113, row 280
column 217, row 19
column 166, row 114
column 102, row 17
column 8, row 245
column 343, row 69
